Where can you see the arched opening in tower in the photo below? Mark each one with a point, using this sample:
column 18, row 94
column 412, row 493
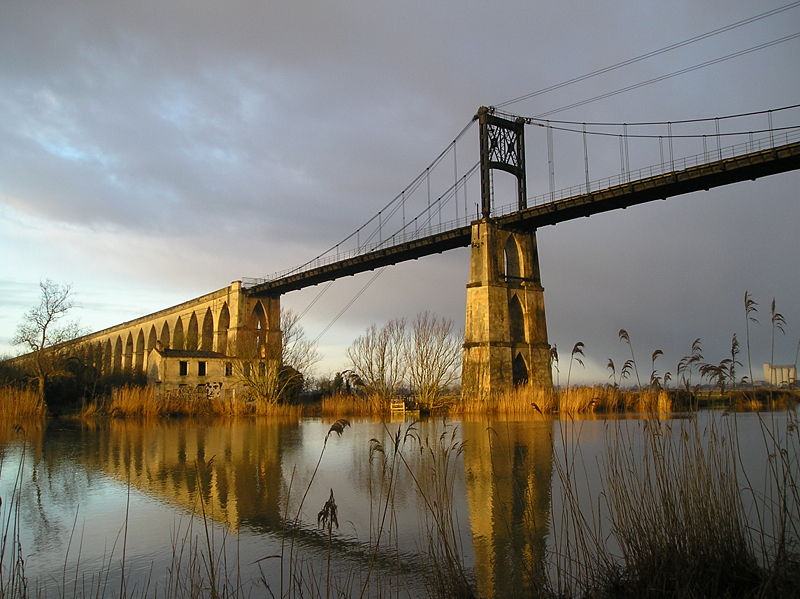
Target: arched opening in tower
column 512, row 262
column 519, row 370
column 516, row 320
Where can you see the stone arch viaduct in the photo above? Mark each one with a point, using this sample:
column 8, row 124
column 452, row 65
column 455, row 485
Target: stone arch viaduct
column 226, row 322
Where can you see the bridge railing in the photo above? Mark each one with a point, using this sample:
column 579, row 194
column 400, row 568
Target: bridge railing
column 338, row 255
column 666, row 167
column 414, row 231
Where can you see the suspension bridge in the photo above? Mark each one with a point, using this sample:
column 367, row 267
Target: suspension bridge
column 373, row 245
column 505, row 329
column 473, row 195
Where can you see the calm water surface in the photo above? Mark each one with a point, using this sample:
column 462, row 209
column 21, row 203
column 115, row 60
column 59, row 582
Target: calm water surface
column 84, row 499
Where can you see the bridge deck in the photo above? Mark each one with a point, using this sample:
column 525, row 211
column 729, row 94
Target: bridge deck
column 702, row 177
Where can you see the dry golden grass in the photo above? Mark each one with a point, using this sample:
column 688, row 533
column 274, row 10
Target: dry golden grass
column 602, row 399
column 272, row 409
column 521, row 400
column 20, row 403
column 342, row 404
column 747, row 404
column 134, row 401
column 754, row 400
column 531, row 400
column 654, row 402
column 524, row 400
column 147, row 402
column 582, row 400
column 231, row 405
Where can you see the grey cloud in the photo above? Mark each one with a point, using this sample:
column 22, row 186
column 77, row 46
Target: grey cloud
column 240, row 138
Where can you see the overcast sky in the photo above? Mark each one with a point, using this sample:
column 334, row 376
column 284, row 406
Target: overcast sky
column 151, row 152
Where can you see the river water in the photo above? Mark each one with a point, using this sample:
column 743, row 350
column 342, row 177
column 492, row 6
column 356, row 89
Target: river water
column 170, row 508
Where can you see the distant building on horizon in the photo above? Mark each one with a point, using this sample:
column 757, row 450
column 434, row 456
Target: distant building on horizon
column 778, row 375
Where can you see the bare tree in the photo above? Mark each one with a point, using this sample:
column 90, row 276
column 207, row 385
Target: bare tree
column 298, row 350
column 377, row 358
column 266, row 379
column 272, row 376
column 432, row 351
column 41, row 332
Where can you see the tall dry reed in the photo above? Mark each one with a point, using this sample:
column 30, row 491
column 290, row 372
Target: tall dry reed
column 148, row 402
column 674, row 500
column 605, row 399
column 570, row 401
column 521, row 400
column 348, row 404
column 429, row 467
column 678, row 515
column 20, row 403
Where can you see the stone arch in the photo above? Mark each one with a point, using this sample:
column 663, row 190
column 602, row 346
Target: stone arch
column 73, row 354
column 88, row 354
column 519, row 369
column 178, row 341
column 108, row 357
column 98, row 356
column 138, row 354
column 165, row 335
column 127, row 353
column 512, row 263
column 116, row 364
column 223, row 323
column 258, row 327
column 516, row 320
column 191, row 333
column 207, row 332
column 152, row 339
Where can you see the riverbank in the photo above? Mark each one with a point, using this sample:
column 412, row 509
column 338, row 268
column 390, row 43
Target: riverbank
column 147, row 402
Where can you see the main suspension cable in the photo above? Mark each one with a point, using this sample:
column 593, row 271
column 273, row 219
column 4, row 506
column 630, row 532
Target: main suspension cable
column 347, row 305
column 670, row 75
column 647, row 55
column 414, row 183
column 533, row 120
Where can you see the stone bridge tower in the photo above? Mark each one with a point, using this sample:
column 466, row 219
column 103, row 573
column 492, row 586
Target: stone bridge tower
column 505, row 330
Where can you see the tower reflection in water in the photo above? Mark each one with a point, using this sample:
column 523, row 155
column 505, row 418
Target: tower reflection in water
column 508, row 467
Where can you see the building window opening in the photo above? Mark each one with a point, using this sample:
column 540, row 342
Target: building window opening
column 183, row 368
column 228, row 368
column 201, row 368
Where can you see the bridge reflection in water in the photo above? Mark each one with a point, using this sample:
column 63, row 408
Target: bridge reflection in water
column 234, row 468
column 238, row 473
